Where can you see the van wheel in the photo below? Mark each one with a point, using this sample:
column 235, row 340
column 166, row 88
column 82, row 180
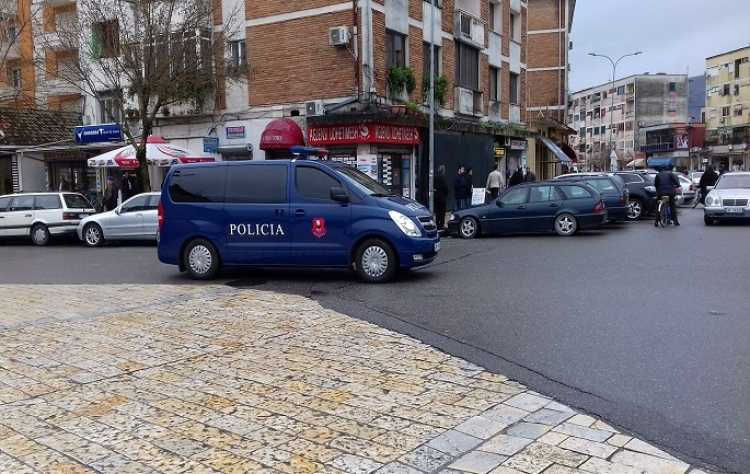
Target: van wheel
column 40, row 235
column 92, row 235
column 201, row 260
column 376, row 261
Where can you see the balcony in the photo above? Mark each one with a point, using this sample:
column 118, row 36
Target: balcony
column 9, row 49
column 654, row 147
column 53, row 3
column 468, row 101
column 54, row 86
column 468, row 28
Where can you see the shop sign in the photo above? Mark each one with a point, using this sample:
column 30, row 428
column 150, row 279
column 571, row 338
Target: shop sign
column 106, row 132
column 235, row 132
column 363, row 133
column 499, row 151
column 210, row 145
column 68, row 155
column 518, row 144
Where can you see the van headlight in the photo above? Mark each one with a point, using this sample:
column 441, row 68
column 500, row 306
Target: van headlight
column 406, row 225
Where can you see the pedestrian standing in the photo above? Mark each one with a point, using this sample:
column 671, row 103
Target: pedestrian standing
column 530, row 176
column 459, row 188
column 516, row 177
column 495, row 182
column 110, row 194
column 441, row 197
column 468, row 180
column 129, row 185
column 63, row 185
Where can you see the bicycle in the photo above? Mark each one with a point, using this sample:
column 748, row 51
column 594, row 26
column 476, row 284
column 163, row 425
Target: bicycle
column 664, row 210
column 698, row 198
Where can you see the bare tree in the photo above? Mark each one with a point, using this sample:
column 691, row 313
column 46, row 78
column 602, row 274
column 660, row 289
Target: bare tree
column 142, row 56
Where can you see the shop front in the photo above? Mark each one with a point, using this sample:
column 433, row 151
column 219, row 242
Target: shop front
column 385, row 152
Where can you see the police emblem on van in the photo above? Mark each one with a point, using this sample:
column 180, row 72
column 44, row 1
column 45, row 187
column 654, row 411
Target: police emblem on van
column 319, row 227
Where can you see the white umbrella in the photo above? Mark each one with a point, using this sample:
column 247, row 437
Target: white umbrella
column 159, row 152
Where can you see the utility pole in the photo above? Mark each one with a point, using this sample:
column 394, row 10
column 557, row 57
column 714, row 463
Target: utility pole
column 431, row 141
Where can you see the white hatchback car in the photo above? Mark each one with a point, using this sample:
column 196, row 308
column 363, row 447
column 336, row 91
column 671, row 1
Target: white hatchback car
column 135, row 219
column 42, row 215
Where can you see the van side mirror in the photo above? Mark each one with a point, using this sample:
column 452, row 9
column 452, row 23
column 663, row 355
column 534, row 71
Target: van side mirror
column 338, row 194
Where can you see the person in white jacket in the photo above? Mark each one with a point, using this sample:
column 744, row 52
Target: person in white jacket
column 495, row 182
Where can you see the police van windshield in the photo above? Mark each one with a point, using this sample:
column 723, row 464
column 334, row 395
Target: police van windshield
column 363, row 182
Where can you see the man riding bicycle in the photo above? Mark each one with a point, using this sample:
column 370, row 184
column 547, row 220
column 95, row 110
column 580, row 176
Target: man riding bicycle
column 666, row 183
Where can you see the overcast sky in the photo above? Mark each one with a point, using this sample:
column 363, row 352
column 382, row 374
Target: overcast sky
column 676, row 36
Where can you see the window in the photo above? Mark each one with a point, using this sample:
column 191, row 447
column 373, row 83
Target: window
column 4, row 203
column 575, row 192
column 175, row 53
column 237, row 53
column 467, row 66
column 258, row 184
column 110, row 106
column 314, row 184
column 726, row 89
column 76, row 201
column 672, row 86
column 199, row 184
column 544, row 194
column 47, row 202
column 437, row 3
column 495, row 84
column 495, row 17
column 22, row 203
column 621, row 90
column 105, row 41
column 153, row 203
column 136, row 204
column 725, row 111
column 514, row 197
column 16, row 78
column 395, row 49
column 515, row 26
column 514, row 91
column 426, row 59
column 672, row 107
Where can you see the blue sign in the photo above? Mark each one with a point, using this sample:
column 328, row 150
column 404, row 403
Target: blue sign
column 210, row 145
column 106, row 132
column 235, row 132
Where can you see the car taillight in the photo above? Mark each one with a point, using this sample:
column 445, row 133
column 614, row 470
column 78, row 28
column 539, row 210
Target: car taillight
column 623, row 200
column 691, row 188
column 160, row 214
column 599, row 208
column 68, row 216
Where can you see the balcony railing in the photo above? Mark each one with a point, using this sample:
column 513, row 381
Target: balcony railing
column 664, row 146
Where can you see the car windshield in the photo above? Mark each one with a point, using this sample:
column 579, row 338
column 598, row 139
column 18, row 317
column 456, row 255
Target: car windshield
column 77, row 201
column 737, row 181
column 362, row 182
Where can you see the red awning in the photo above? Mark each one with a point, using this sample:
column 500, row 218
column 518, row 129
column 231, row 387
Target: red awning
column 281, row 134
column 570, row 152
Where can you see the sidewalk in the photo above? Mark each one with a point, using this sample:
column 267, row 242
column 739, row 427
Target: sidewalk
column 210, row 379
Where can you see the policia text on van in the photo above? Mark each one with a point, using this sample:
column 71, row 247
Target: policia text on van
column 290, row 213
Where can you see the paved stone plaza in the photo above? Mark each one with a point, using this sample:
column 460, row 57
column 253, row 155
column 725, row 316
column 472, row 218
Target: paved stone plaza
column 210, row 379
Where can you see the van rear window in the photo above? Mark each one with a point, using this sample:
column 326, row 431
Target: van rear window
column 198, row 184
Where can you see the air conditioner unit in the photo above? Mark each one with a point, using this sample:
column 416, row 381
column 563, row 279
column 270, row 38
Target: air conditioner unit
column 338, row 36
column 314, row 108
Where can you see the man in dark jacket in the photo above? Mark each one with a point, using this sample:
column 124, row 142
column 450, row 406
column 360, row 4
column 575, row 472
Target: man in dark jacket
column 459, row 188
column 469, row 187
column 441, row 197
column 666, row 183
column 708, row 178
column 110, row 194
column 516, row 177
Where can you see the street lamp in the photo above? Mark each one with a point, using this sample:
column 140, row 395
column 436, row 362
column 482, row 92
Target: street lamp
column 612, row 102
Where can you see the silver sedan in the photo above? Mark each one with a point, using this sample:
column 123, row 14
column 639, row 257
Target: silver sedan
column 729, row 199
column 135, row 219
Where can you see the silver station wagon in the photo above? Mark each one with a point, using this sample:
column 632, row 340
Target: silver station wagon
column 40, row 216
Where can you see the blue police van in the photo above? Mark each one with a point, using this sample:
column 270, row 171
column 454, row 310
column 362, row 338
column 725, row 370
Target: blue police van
column 297, row 212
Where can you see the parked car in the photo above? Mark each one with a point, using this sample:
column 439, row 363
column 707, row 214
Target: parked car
column 611, row 187
column 135, row 219
column 729, row 199
column 688, row 189
column 547, row 206
column 43, row 215
column 695, row 177
column 642, row 192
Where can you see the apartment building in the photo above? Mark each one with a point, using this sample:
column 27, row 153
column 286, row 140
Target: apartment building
column 728, row 109
column 615, row 113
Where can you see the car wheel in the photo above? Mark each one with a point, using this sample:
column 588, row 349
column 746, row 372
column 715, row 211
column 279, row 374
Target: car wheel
column 636, row 210
column 565, row 225
column 92, row 235
column 708, row 220
column 376, row 261
column 468, row 228
column 40, row 235
column 201, row 260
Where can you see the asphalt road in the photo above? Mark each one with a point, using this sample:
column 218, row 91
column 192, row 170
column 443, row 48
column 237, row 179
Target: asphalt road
column 646, row 328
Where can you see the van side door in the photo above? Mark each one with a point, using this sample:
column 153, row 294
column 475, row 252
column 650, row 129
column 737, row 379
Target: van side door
column 321, row 227
column 256, row 213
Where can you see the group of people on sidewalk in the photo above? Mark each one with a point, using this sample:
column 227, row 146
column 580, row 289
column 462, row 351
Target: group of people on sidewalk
column 463, row 187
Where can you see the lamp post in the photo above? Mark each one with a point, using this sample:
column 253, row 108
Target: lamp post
column 612, row 102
